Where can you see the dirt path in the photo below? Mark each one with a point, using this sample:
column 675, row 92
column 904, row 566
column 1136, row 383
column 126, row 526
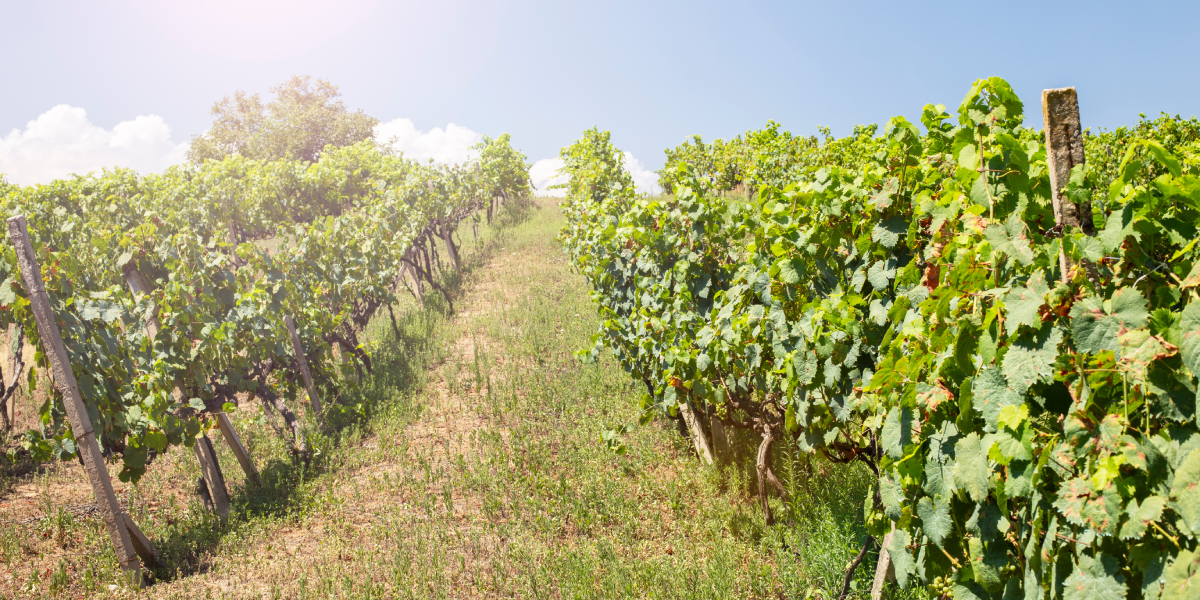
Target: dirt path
column 479, row 473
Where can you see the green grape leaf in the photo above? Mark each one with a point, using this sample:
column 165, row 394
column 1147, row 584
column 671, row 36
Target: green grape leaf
column 1117, row 228
column 1013, row 416
column 1152, row 563
column 990, row 393
column 939, row 478
column 1189, row 343
column 935, row 520
column 971, row 470
column 1193, row 277
column 897, row 431
column 859, row 278
column 881, row 273
column 979, row 192
column 970, row 590
column 1095, row 579
column 1091, row 248
column 986, row 562
column 941, row 443
column 1012, row 589
column 8, row 296
column 892, row 495
column 155, row 439
column 1010, row 239
column 1030, row 358
column 888, row 232
column 1096, row 329
column 1033, row 583
column 1020, row 479
column 1171, row 391
column 1185, row 491
column 1163, row 156
column 902, row 559
column 1139, row 348
column 966, row 345
column 986, row 521
column 1139, row 516
column 1023, row 303
column 1082, row 504
column 791, row 270
column 1013, row 444
column 1183, row 577
column 878, row 312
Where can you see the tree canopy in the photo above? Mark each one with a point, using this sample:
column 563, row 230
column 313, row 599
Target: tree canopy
column 305, row 115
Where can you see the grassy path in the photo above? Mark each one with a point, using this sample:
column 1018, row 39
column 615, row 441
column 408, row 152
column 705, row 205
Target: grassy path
column 476, row 471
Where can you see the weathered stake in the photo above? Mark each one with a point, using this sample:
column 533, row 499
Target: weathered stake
column 141, row 543
column 211, row 470
column 720, row 440
column 115, row 520
column 884, row 570
column 703, row 450
column 764, row 451
column 302, row 361
column 16, row 366
column 1064, row 151
column 239, row 450
column 451, row 250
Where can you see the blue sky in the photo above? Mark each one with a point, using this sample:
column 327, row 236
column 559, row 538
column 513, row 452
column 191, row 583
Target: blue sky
column 653, row 73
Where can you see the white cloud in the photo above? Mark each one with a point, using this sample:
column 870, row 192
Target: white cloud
column 447, row 146
column 544, row 174
column 645, row 179
column 62, row 141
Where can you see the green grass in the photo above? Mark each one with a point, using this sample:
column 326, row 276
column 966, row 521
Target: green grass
column 469, row 465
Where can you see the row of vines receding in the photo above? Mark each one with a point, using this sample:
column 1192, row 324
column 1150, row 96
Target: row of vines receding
column 1024, row 392
column 228, row 249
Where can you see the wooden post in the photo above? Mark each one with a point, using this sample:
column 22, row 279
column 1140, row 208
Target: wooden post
column 302, row 362
column 16, row 339
column 764, row 454
column 883, row 569
column 239, row 450
column 141, row 544
column 210, row 469
column 1064, row 150
column 720, row 440
column 703, row 450
column 451, row 250
column 118, row 524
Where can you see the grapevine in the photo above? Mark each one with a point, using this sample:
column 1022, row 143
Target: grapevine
column 903, row 304
column 347, row 228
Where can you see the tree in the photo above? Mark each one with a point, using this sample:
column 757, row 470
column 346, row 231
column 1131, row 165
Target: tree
column 305, row 116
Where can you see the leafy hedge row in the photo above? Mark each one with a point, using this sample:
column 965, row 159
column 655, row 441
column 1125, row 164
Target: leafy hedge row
column 346, row 229
column 765, row 157
column 1034, row 431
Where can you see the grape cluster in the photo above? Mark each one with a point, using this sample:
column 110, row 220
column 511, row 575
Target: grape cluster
column 942, row 587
